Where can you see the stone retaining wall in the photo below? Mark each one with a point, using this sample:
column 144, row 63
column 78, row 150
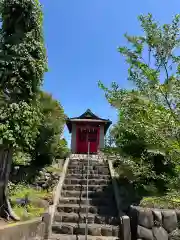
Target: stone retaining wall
column 29, row 230
column 154, row 224
column 124, row 219
column 49, row 215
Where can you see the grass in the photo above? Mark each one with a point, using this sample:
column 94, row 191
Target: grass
column 169, row 201
column 29, row 213
column 30, row 210
column 21, row 191
column 53, row 169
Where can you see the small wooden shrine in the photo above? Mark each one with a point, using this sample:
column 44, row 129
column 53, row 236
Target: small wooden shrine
column 87, row 128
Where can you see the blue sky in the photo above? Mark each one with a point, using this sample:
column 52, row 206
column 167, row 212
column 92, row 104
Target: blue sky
column 81, row 38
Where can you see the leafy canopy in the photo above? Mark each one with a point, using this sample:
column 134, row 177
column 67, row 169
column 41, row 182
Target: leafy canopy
column 22, row 66
column 148, row 127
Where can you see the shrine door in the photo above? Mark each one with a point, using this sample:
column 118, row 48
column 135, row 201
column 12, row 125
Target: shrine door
column 85, row 135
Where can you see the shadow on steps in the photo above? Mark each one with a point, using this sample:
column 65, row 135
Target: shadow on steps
column 104, row 202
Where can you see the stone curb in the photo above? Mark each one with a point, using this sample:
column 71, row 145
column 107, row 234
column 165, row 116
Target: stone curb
column 48, row 217
column 124, row 219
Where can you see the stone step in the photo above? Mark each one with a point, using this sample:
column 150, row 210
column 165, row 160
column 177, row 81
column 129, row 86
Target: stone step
column 91, row 194
column 84, row 156
column 79, row 229
column 77, row 194
column 80, row 237
column 100, row 172
column 82, row 208
column 109, row 200
column 80, row 168
column 84, row 181
column 82, row 164
column 90, row 176
column 84, row 187
column 81, row 218
column 85, row 161
column 85, row 165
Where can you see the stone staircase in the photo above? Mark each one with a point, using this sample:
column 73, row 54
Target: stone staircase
column 70, row 217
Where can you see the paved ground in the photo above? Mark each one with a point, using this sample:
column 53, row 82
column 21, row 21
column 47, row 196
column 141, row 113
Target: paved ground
column 3, row 222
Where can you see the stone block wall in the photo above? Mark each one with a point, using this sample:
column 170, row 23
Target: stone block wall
column 154, row 224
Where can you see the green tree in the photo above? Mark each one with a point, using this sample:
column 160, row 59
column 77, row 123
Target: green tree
column 22, row 65
column 148, row 127
column 50, row 130
column 62, row 150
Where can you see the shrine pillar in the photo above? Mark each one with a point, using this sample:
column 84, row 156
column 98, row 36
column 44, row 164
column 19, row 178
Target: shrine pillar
column 101, row 137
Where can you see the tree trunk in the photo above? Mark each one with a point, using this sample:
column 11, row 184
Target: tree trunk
column 5, row 167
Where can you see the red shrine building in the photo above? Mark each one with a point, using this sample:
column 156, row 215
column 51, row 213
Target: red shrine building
column 87, row 128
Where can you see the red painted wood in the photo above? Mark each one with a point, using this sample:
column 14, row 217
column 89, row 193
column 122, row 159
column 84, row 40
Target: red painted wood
column 81, row 140
column 93, row 138
column 85, row 134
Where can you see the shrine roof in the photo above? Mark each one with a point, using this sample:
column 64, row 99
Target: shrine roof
column 88, row 116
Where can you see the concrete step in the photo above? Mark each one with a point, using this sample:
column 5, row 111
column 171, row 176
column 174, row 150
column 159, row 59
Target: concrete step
column 84, row 181
column 93, row 172
column 84, row 187
column 92, row 201
column 83, row 194
column 90, row 176
column 80, row 237
column 79, row 229
column 82, row 208
column 81, row 218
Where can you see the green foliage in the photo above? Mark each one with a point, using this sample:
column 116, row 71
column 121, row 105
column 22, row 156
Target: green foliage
column 53, row 169
column 31, row 209
column 18, row 124
column 147, row 132
column 22, row 190
column 164, row 202
column 23, row 58
column 109, row 140
column 50, row 130
column 29, row 212
column 21, row 158
column 62, row 150
column 22, row 66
